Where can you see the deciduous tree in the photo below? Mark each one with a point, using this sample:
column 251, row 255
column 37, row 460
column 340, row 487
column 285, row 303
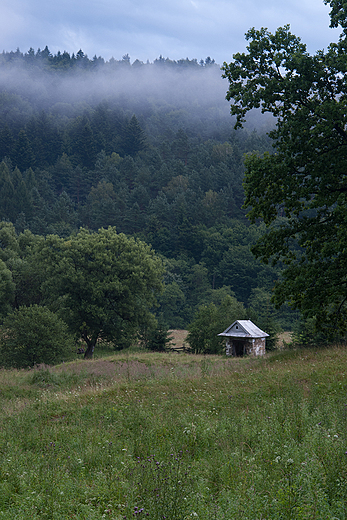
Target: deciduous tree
column 305, row 180
column 103, row 284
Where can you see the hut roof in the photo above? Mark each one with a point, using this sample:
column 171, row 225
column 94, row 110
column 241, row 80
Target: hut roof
column 243, row 329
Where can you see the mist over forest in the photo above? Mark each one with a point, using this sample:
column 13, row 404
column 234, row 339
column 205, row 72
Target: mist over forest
column 148, row 148
column 48, row 83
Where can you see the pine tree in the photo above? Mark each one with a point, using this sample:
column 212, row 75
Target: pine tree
column 24, row 157
column 21, row 202
column 133, row 139
column 6, row 193
column 6, row 143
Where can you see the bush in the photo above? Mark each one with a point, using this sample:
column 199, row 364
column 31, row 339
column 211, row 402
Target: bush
column 33, row 335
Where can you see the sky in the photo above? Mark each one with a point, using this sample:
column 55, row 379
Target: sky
column 146, row 29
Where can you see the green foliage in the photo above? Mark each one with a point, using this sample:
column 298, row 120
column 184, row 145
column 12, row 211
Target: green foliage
column 20, row 275
column 7, row 289
column 133, row 138
column 209, row 321
column 9, row 247
column 304, row 181
column 171, row 304
column 33, row 335
column 306, row 334
column 202, row 335
column 264, row 314
column 104, row 284
column 157, row 338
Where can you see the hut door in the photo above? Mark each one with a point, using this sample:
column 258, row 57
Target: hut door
column 239, row 346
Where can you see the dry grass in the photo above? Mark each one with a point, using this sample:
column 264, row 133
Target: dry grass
column 178, row 339
column 284, row 339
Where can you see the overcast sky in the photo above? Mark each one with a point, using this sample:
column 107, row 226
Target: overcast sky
column 146, row 29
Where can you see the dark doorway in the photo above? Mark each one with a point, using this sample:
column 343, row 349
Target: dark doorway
column 239, row 347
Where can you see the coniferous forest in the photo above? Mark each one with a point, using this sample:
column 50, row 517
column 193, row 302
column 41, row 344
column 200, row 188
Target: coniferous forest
column 149, row 148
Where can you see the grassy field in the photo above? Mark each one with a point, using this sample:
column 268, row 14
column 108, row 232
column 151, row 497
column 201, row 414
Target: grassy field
column 177, row 436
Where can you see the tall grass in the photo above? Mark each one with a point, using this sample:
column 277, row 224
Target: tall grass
column 177, row 437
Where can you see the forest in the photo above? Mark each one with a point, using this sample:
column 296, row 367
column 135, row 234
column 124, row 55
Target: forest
column 149, row 149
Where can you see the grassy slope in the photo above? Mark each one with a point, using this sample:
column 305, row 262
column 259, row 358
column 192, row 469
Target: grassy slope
column 177, row 436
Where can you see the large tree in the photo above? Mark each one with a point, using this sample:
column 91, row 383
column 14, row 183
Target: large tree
column 300, row 190
column 103, row 284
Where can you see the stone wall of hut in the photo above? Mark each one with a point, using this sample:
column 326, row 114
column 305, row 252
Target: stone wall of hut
column 243, row 347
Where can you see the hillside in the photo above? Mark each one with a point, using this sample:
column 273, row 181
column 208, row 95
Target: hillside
column 176, row 436
column 149, row 149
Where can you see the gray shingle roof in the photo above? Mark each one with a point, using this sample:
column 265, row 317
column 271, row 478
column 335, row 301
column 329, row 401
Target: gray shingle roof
column 243, row 329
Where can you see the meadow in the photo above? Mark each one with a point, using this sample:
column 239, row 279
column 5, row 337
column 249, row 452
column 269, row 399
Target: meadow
column 176, row 436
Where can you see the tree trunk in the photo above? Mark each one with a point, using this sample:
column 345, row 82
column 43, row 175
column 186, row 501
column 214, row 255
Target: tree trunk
column 90, row 348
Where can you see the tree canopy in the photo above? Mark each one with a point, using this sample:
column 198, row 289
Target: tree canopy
column 103, row 284
column 299, row 190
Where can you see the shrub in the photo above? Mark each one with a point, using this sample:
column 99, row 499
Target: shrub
column 33, row 335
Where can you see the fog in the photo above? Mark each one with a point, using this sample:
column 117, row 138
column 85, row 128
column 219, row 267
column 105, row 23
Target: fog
column 142, row 90
column 176, row 85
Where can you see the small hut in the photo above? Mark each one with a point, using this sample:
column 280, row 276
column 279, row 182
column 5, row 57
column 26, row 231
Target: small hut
column 243, row 337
